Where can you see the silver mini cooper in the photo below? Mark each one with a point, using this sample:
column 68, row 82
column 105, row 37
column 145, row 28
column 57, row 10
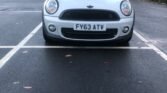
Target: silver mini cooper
column 88, row 20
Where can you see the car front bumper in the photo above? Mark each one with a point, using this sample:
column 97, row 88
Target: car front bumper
column 59, row 24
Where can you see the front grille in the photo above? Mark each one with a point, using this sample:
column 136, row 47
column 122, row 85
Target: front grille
column 70, row 33
column 89, row 15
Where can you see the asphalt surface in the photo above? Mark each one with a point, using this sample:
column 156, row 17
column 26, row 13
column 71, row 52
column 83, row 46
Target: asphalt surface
column 151, row 20
column 3, row 52
column 29, row 65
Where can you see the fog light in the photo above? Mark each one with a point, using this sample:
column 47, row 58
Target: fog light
column 52, row 28
column 125, row 29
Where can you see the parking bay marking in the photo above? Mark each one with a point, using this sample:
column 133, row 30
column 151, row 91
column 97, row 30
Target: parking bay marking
column 35, row 30
column 156, row 49
column 86, row 47
column 5, row 47
column 18, row 47
column 20, row 11
column 80, row 47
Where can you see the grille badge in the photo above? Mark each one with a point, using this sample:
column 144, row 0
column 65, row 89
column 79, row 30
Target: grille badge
column 90, row 6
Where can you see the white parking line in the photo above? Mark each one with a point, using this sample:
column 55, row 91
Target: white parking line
column 29, row 36
column 7, row 47
column 22, row 43
column 80, row 47
column 20, row 11
column 87, row 47
column 156, row 49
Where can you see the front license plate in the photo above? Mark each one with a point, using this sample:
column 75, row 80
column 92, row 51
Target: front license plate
column 90, row 27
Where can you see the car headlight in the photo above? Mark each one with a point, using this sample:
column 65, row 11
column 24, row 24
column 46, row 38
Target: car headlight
column 51, row 6
column 126, row 8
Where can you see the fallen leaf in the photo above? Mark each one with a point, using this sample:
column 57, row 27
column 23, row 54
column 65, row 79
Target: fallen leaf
column 16, row 82
column 68, row 55
column 27, row 87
